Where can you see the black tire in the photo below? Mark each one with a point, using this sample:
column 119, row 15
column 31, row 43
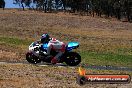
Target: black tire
column 72, row 58
column 31, row 58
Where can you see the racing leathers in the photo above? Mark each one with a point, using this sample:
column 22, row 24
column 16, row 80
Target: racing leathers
column 57, row 46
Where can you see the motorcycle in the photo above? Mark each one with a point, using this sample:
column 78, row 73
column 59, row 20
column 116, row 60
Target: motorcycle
column 35, row 55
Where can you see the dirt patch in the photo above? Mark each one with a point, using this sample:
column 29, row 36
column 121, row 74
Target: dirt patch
column 25, row 76
column 9, row 56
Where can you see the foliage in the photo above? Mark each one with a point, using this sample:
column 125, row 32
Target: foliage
column 2, row 4
column 113, row 8
column 22, row 2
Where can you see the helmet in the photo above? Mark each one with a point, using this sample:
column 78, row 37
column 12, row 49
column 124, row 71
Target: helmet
column 45, row 38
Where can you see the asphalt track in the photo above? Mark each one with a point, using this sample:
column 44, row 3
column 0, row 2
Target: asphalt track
column 85, row 66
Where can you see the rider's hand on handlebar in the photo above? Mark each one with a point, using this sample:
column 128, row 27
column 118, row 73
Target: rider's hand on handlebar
column 36, row 49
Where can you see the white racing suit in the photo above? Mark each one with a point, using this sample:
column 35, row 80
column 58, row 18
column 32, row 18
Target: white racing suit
column 58, row 46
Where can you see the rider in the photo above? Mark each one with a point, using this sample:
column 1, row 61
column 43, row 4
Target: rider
column 53, row 44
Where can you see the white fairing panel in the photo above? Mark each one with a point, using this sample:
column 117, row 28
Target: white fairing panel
column 32, row 47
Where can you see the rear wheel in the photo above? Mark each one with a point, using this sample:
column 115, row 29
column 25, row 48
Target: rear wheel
column 31, row 58
column 72, row 59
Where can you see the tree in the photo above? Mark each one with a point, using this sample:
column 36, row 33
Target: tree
column 113, row 8
column 22, row 2
column 2, row 4
column 41, row 4
column 128, row 9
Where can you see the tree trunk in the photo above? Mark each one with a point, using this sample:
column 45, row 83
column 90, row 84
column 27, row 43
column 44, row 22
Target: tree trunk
column 22, row 6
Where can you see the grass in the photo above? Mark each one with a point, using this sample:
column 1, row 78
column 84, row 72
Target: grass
column 100, row 43
column 106, row 59
column 124, row 51
column 88, row 57
column 26, row 75
column 14, row 41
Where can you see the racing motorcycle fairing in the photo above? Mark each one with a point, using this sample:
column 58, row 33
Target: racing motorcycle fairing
column 72, row 45
column 36, row 56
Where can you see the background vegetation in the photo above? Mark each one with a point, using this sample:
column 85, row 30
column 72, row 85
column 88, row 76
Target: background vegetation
column 109, row 8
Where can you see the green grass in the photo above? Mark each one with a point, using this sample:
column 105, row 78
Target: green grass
column 106, row 59
column 124, row 51
column 14, row 41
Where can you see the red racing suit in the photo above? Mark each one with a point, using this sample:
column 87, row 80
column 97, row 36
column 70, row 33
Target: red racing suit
column 56, row 45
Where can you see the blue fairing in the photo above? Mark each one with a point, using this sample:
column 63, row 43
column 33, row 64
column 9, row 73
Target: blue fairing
column 45, row 46
column 72, row 45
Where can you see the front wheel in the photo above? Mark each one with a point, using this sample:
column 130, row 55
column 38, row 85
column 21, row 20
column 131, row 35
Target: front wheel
column 72, row 59
column 31, row 58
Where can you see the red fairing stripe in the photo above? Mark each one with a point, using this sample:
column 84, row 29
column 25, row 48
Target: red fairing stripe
column 63, row 47
column 53, row 39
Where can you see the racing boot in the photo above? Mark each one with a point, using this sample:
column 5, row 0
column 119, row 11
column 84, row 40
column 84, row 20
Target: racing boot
column 54, row 60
